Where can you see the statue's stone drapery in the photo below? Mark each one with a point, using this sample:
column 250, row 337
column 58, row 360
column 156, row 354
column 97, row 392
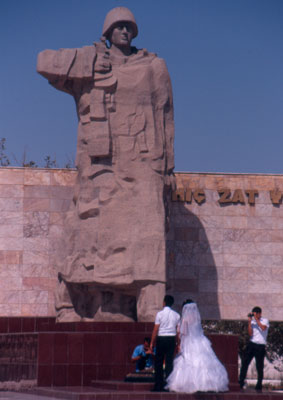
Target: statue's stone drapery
column 113, row 255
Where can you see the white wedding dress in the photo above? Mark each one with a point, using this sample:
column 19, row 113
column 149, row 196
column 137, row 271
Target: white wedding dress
column 196, row 367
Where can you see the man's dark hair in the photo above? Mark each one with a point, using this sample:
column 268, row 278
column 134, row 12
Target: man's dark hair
column 169, row 300
column 256, row 310
column 147, row 340
column 188, row 301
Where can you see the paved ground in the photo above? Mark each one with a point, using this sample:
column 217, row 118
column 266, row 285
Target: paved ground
column 248, row 395
column 22, row 396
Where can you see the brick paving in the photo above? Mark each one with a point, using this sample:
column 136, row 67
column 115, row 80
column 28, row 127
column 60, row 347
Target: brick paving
column 22, row 396
column 90, row 393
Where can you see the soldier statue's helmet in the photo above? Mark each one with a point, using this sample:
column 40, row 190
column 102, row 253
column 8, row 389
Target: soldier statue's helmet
column 119, row 14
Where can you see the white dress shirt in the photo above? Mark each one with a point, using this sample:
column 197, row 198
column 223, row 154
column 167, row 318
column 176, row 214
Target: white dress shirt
column 167, row 319
column 259, row 336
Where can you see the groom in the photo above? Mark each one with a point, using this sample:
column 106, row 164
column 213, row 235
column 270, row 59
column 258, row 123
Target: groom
column 165, row 335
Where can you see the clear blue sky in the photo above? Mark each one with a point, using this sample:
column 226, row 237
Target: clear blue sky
column 225, row 58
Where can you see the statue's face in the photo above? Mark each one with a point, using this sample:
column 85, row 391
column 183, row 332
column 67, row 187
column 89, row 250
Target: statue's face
column 121, row 35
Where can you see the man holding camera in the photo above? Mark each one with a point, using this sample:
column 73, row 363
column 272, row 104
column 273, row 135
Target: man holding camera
column 258, row 330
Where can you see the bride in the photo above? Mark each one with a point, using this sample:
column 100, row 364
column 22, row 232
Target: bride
column 196, row 367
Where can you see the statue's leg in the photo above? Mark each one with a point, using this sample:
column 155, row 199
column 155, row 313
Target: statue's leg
column 149, row 301
column 65, row 311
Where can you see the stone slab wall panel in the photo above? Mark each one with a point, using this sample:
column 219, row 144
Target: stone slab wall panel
column 227, row 257
column 32, row 203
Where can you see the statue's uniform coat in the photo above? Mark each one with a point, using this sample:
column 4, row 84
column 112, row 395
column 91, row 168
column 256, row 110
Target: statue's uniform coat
column 115, row 229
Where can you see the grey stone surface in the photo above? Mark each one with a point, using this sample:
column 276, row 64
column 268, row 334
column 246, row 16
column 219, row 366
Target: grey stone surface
column 112, row 259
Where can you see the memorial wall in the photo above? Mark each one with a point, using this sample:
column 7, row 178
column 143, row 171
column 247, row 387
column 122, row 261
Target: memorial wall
column 224, row 246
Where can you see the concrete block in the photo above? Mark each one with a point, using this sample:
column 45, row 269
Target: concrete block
column 63, row 177
column 36, row 257
column 11, row 217
column 31, row 204
column 11, row 282
column 11, row 257
column 34, row 297
column 40, row 310
column 37, row 192
column 11, row 191
column 10, row 270
column 11, row 310
column 11, row 231
column 36, row 177
column 11, row 244
column 36, row 223
column 12, row 204
column 11, row 176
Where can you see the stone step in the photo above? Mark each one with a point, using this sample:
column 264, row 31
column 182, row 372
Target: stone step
column 124, row 386
column 136, row 386
column 91, row 393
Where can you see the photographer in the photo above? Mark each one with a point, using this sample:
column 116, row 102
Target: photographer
column 258, row 330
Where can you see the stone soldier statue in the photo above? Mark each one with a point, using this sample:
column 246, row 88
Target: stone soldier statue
column 112, row 264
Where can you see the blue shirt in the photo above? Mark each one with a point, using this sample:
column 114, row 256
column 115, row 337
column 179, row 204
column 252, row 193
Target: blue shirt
column 139, row 351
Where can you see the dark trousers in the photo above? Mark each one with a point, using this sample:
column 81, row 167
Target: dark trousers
column 257, row 351
column 165, row 347
column 141, row 363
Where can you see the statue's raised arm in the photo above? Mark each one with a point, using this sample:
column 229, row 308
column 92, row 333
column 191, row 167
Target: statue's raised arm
column 66, row 65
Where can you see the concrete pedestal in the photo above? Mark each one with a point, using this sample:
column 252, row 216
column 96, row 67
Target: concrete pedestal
column 75, row 354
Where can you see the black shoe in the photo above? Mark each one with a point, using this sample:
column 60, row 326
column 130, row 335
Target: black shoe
column 242, row 384
column 156, row 389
